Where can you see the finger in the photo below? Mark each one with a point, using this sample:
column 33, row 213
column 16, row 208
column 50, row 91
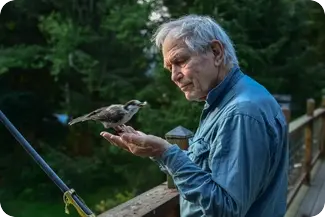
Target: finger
column 134, row 138
column 107, row 135
column 116, row 140
column 129, row 129
column 140, row 133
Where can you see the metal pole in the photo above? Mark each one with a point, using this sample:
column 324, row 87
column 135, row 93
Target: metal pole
column 69, row 194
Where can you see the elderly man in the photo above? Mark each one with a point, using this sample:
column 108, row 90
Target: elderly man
column 236, row 164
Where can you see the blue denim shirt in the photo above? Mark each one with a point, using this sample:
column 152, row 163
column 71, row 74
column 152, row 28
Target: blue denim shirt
column 236, row 163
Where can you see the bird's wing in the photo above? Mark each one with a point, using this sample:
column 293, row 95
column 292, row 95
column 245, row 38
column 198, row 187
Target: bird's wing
column 95, row 113
column 86, row 117
column 112, row 114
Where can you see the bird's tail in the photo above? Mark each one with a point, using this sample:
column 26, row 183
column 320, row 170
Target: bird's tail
column 78, row 119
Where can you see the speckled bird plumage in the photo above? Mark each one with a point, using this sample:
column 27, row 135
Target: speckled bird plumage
column 112, row 116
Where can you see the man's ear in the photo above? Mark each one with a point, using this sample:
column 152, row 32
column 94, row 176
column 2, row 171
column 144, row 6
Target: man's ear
column 218, row 52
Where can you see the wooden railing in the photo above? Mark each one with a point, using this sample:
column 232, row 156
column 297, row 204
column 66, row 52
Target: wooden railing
column 307, row 145
column 307, row 142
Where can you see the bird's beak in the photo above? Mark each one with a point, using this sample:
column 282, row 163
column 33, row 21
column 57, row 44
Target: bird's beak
column 143, row 104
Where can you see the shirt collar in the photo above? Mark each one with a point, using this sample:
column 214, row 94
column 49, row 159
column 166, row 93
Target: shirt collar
column 218, row 92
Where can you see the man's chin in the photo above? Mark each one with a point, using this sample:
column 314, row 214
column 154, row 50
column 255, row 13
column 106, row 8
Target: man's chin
column 194, row 98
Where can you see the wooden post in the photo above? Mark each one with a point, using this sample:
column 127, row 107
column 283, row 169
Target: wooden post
column 178, row 136
column 322, row 148
column 309, row 139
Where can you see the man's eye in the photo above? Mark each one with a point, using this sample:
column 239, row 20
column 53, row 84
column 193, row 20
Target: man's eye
column 180, row 62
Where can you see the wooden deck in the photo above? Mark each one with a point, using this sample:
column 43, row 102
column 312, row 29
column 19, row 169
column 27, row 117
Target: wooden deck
column 310, row 200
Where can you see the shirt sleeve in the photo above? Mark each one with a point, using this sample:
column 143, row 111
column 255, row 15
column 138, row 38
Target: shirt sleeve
column 237, row 175
column 159, row 164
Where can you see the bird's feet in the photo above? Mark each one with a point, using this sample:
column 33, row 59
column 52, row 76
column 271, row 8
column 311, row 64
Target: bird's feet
column 123, row 127
column 120, row 129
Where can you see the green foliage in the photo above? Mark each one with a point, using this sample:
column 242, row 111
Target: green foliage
column 109, row 203
column 64, row 37
column 21, row 208
column 21, row 56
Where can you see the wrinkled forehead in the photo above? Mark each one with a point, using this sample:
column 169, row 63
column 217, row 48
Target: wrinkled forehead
column 172, row 48
column 170, row 44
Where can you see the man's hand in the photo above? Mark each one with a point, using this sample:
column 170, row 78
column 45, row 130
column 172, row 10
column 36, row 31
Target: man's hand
column 137, row 142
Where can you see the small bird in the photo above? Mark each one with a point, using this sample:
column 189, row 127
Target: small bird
column 113, row 116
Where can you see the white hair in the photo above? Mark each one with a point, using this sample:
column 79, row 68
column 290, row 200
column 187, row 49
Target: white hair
column 197, row 32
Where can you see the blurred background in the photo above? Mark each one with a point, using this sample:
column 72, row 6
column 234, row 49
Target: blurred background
column 60, row 59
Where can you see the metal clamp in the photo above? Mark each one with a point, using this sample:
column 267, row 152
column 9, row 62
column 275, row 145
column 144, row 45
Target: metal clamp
column 68, row 199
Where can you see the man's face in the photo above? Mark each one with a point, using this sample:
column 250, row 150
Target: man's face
column 194, row 73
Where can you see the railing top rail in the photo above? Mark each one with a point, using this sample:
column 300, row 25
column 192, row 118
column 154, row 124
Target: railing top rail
column 304, row 119
column 150, row 203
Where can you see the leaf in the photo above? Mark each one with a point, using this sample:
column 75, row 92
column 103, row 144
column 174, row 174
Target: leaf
column 21, row 56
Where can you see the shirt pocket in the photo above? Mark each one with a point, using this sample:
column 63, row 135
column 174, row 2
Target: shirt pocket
column 200, row 150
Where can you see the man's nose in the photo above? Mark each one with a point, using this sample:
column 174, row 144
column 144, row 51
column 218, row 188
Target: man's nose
column 177, row 74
